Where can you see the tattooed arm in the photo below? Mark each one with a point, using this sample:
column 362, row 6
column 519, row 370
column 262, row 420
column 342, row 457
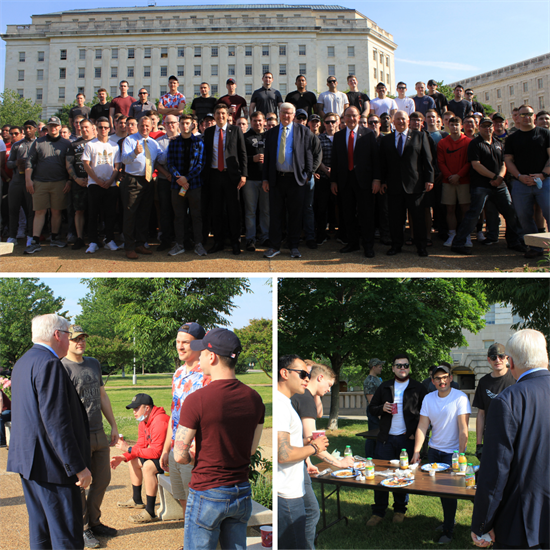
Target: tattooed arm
column 182, row 443
column 286, row 453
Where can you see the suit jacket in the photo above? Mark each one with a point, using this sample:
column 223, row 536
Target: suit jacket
column 302, row 159
column 236, row 161
column 409, row 172
column 513, row 489
column 366, row 160
column 50, row 437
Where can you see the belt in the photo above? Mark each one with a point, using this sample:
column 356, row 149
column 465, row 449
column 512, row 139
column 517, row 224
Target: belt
column 284, row 174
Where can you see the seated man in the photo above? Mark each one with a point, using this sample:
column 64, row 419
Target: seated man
column 144, row 456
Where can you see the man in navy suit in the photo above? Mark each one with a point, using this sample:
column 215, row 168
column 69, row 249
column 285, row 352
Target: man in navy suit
column 512, row 502
column 50, row 445
column 287, row 168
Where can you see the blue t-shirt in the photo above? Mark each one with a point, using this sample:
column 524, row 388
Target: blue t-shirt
column 422, row 104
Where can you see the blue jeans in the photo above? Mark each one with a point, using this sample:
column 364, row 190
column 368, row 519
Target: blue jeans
column 254, row 197
column 291, row 523
column 448, row 504
column 500, row 197
column 525, row 197
column 218, row 514
column 308, row 215
column 312, row 511
column 389, row 451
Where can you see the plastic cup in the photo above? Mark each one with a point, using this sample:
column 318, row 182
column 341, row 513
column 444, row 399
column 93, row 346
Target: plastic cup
column 267, row 536
column 394, row 408
column 317, row 433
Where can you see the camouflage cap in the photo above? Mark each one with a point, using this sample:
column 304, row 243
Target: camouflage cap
column 75, row 331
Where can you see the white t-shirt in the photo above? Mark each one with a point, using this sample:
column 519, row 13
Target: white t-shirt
column 289, row 477
column 398, row 420
column 406, row 104
column 379, row 106
column 333, row 102
column 443, row 414
column 102, row 158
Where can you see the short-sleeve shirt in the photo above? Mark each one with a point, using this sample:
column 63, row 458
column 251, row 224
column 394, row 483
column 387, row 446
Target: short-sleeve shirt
column 302, row 100
column 171, row 101
column 267, row 100
column 102, row 158
column 460, row 108
column 84, row 111
column 87, row 380
column 441, row 102
column 490, row 155
column 422, row 104
column 203, row 106
column 529, row 149
column 333, row 102
column 488, row 388
column 304, row 404
column 99, row 110
column 370, row 384
column 358, row 99
column 380, row 106
column 122, row 104
column 237, row 100
column 75, row 153
column 406, row 104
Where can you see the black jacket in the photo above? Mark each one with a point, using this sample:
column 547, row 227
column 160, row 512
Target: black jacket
column 412, row 402
column 235, row 152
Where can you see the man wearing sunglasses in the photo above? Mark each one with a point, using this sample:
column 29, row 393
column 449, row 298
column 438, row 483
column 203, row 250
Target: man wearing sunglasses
column 292, row 450
column 448, row 411
column 489, row 387
column 332, row 100
column 397, row 402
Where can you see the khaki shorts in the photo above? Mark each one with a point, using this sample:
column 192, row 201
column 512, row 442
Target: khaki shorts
column 450, row 193
column 49, row 194
column 180, row 476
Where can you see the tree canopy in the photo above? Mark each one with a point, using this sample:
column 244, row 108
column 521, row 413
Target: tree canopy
column 256, row 339
column 16, row 111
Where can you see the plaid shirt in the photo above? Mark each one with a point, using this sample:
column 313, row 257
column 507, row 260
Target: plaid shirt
column 175, row 161
column 326, row 146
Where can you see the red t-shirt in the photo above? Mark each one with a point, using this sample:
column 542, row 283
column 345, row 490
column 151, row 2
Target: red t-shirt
column 236, row 100
column 225, row 415
column 122, row 104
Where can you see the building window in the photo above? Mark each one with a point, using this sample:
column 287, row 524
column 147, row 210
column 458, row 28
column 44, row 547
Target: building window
column 131, row 91
column 332, row 70
column 130, row 73
column 164, row 71
column 41, row 58
column 541, row 102
column 351, row 69
column 198, row 52
column 114, row 53
column 381, row 57
column 61, row 93
column 163, row 90
column 511, row 90
column 21, row 57
column 214, row 89
column 38, row 94
column 387, row 61
column 97, row 72
column 114, row 72
column 499, row 108
column 213, row 70
column 63, row 55
column 147, row 53
column 388, row 79
column 374, row 52
column 181, row 52
column 248, row 70
column 282, row 69
column 231, row 51
column 113, row 91
column 265, row 50
column 196, row 90
column 40, row 74
column 351, row 51
column 512, row 106
column 526, row 86
column 248, row 51
column 248, row 89
column 214, row 51
column 282, row 89
column 146, row 72
column 98, row 54
column 265, row 69
column 21, row 93
column 82, row 54
column 525, row 101
column 164, row 53
column 81, row 72
column 303, row 69
column 499, row 93
column 330, row 51
column 486, row 96
column 282, row 49
column 131, row 53
column 231, row 70
column 539, row 81
column 302, row 50
column 62, row 73
column 375, row 74
column 80, row 90
column 197, row 70
column 181, row 70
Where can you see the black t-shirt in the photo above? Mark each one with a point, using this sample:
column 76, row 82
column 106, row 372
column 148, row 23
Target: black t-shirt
column 99, row 110
column 440, row 102
column 203, row 106
column 74, row 156
column 304, row 404
column 306, row 100
column 490, row 155
column 488, row 388
column 84, row 111
column 529, row 149
column 460, row 108
column 255, row 145
column 358, row 99
column 266, row 100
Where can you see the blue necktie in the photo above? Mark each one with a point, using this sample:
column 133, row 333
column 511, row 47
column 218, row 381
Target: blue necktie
column 400, row 144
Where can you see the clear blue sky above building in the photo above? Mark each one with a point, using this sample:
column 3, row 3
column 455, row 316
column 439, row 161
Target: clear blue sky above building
column 444, row 39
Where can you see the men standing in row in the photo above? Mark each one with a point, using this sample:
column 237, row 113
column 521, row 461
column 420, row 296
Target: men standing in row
column 100, row 109
column 142, row 106
column 459, row 106
column 332, row 100
column 301, row 98
column 79, row 109
column 357, row 98
column 266, row 99
column 403, row 102
column 422, row 101
column 382, row 104
column 397, row 402
column 121, row 103
column 439, row 98
column 203, row 104
column 85, row 374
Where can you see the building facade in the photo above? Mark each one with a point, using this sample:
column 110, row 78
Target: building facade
column 526, row 82
column 61, row 54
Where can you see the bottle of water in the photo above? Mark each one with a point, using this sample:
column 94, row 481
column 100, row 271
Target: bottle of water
column 369, row 469
column 403, row 459
column 347, row 451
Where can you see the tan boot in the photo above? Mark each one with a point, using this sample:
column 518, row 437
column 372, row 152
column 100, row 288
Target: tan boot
column 398, row 517
column 374, row 520
column 130, row 504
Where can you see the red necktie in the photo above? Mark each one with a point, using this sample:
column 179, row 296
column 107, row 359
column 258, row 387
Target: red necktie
column 220, row 151
column 350, row 150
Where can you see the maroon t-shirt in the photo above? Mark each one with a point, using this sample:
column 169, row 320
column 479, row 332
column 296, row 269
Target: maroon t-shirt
column 236, row 100
column 122, row 104
column 225, row 414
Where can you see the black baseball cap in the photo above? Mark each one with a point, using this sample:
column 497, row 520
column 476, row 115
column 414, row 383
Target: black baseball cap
column 139, row 400
column 230, row 81
column 220, row 341
column 499, row 115
column 314, row 117
column 194, row 329
column 301, row 113
column 444, row 368
column 30, row 123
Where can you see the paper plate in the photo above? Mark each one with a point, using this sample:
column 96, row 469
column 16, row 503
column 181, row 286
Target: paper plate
column 396, row 482
column 441, row 466
column 343, row 474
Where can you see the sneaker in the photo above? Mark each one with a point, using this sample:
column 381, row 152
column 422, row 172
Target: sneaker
column 445, row 538
column 295, row 253
column 78, row 244
column 469, row 241
column 11, row 240
column 449, row 241
column 271, row 253
column 58, row 243
column 21, row 234
column 29, row 241
column 130, row 503
column 199, row 250
column 71, row 238
column 177, row 249
column 89, row 540
column 481, row 237
column 92, row 248
column 143, row 517
column 111, row 245
column 31, row 249
column 398, row 517
column 250, row 245
column 373, row 521
column 103, row 531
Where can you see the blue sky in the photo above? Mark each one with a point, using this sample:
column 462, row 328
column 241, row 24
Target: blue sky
column 443, row 39
column 255, row 305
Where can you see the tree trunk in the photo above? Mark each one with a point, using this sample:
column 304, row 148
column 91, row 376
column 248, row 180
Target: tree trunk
column 123, row 373
column 143, row 367
column 336, row 362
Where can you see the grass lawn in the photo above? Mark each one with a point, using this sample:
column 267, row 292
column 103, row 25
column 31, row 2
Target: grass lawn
column 423, row 513
column 165, row 379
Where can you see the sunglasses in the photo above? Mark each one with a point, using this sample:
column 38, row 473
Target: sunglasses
column 441, row 378
column 303, row 374
column 500, row 356
column 143, row 93
column 103, row 127
column 374, row 122
column 403, row 366
column 331, row 81
column 330, row 122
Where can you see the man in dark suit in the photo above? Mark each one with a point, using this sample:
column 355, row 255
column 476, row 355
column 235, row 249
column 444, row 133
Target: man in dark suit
column 287, row 168
column 224, row 175
column 512, row 502
column 356, row 174
column 407, row 174
column 50, row 445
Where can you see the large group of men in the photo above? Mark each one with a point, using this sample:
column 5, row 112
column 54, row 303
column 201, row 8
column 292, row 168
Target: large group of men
column 512, row 501
column 279, row 172
column 59, row 447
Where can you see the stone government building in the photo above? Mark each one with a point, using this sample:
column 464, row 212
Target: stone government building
column 63, row 53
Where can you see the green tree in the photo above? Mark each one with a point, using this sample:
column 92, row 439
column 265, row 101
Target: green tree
column 15, row 111
column 20, row 301
column 256, row 339
column 64, row 110
column 449, row 94
column 350, row 321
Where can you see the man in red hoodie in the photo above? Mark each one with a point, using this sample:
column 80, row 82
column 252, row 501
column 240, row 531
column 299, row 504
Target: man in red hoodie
column 144, row 456
column 452, row 158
